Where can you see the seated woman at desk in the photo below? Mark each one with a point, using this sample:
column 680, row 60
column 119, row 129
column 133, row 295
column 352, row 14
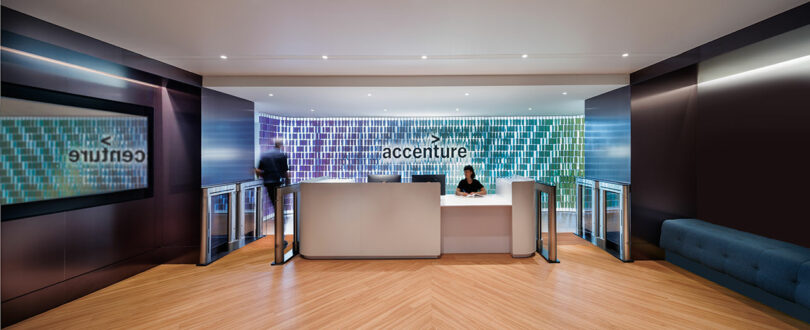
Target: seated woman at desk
column 470, row 186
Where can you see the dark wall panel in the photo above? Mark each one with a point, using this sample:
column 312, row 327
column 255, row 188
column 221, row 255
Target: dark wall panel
column 179, row 199
column 663, row 113
column 55, row 35
column 781, row 23
column 727, row 151
column 753, row 132
column 27, row 71
column 33, row 303
column 100, row 236
column 51, row 259
column 227, row 139
column 33, row 254
column 79, row 286
column 607, row 136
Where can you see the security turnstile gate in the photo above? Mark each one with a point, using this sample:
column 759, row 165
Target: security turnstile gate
column 231, row 218
column 603, row 215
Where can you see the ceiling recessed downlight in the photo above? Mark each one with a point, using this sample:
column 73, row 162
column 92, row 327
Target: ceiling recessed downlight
column 530, row 108
column 386, row 110
column 466, row 94
column 456, row 109
column 625, row 54
column 270, row 94
column 524, row 55
column 325, row 57
column 424, row 57
column 311, row 110
column 369, row 94
column 564, row 93
column 223, row 56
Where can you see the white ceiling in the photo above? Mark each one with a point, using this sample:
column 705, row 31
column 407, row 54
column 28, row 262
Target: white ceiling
column 565, row 41
column 420, row 101
column 373, row 37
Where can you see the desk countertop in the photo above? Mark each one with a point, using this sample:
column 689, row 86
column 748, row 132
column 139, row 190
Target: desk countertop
column 488, row 200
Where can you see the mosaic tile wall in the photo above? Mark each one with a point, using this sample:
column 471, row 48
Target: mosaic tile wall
column 549, row 149
column 35, row 156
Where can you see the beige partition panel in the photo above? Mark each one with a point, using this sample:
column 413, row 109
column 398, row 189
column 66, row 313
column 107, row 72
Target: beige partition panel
column 524, row 223
column 370, row 220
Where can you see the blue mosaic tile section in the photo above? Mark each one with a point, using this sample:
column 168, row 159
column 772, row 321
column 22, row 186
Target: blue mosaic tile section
column 549, row 149
column 35, row 156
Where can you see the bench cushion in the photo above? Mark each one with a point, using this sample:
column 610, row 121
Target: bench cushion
column 803, row 289
column 780, row 268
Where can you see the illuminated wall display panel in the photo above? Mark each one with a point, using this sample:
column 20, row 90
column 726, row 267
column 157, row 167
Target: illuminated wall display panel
column 549, row 149
column 63, row 151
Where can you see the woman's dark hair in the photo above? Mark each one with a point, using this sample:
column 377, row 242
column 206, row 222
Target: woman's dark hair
column 470, row 168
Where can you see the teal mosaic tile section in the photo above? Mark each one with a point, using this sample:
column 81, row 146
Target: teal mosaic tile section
column 56, row 157
column 549, row 149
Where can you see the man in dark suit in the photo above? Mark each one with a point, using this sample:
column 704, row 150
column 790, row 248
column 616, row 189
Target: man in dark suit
column 274, row 170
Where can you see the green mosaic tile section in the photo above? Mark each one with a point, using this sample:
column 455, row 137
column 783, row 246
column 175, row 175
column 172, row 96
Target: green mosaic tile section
column 35, row 157
column 549, row 149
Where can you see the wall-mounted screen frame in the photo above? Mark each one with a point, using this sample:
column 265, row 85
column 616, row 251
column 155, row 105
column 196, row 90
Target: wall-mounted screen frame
column 41, row 207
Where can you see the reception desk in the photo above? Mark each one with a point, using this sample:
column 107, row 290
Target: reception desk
column 495, row 223
column 369, row 220
column 340, row 220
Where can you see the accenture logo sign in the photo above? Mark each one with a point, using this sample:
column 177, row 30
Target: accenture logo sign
column 432, row 150
column 105, row 155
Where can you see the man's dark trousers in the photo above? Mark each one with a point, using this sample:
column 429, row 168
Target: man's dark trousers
column 271, row 192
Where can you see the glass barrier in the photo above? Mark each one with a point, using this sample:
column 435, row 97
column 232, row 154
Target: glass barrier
column 615, row 216
column 218, row 222
column 587, row 214
column 268, row 215
column 230, row 218
column 613, row 221
column 249, row 215
column 546, row 213
column 250, row 201
column 543, row 206
column 286, row 224
column 603, row 215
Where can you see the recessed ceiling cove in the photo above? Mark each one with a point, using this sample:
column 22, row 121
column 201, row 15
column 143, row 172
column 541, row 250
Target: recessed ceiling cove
column 420, row 37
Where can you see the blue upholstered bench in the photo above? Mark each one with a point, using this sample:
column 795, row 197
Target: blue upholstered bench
column 773, row 272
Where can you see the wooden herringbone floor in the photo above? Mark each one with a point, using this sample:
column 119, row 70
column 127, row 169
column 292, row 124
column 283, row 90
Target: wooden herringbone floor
column 589, row 289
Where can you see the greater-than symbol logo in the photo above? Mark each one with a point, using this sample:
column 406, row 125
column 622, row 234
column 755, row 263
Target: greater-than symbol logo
column 427, row 151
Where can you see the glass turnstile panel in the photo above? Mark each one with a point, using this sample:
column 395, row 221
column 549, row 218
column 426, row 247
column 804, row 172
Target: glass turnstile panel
column 603, row 215
column 546, row 221
column 613, row 220
column 543, row 223
column 588, row 222
column 220, row 226
column 268, row 215
column 289, row 228
column 250, row 213
column 285, row 236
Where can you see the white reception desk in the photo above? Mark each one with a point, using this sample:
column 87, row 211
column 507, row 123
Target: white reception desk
column 341, row 220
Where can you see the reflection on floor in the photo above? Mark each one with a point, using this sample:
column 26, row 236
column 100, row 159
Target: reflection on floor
column 271, row 238
column 589, row 289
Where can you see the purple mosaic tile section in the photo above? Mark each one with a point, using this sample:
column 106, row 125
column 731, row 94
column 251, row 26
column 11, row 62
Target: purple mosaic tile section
column 549, row 149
